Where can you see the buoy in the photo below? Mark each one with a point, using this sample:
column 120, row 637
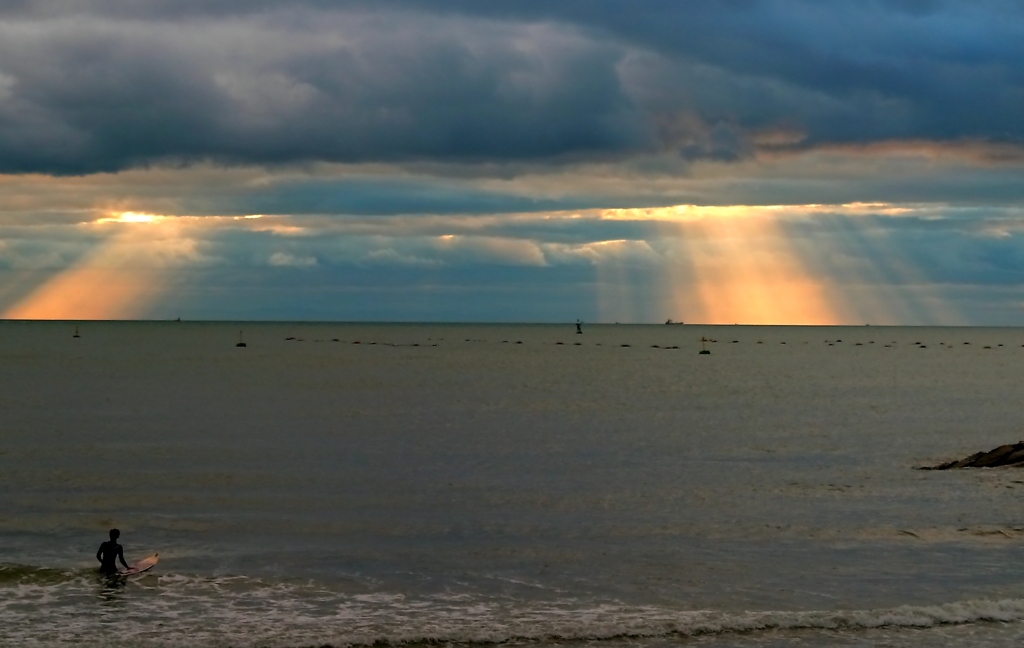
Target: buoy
column 76, row 333
column 240, row 343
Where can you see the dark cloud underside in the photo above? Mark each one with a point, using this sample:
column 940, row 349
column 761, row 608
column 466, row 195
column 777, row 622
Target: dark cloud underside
column 101, row 86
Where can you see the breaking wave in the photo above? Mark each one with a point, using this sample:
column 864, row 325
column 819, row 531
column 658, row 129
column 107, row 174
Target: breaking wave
column 75, row 607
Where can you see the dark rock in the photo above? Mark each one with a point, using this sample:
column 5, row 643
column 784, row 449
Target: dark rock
column 1006, row 455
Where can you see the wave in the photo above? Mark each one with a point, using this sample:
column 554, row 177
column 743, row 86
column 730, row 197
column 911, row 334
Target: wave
column 74, row 607
column 609, row 623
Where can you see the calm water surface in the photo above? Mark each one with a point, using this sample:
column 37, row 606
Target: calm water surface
column 510, row 484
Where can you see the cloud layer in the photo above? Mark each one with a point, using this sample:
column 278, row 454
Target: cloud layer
column 728, row 160
column 102, row 86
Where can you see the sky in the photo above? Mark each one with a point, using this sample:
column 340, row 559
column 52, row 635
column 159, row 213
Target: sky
column 708, row 161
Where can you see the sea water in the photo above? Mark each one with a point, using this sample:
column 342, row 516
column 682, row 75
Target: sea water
column 348, row 485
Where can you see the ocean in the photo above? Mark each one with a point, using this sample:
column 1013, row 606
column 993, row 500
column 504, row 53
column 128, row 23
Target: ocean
column 462, row 485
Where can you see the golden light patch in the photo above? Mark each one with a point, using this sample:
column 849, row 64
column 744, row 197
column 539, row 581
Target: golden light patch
column 724, row 265
column 741, row 264
column 104, row 285
column 117, row 280
column 744, row 271
column 130, row 268
column 131, row 217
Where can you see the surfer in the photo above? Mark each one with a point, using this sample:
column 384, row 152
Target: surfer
column 109, row 552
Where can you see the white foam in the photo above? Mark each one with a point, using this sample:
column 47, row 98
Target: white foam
column 203, row 613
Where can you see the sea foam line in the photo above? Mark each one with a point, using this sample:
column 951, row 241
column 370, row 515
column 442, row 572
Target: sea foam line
column 355, row 624
column 607, row 623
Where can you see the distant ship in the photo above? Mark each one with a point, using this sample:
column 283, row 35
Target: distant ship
column 671, row 323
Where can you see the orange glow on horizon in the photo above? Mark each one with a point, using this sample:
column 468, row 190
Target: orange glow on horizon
column 728, row 265
column 84, row 293
column 745, row 271
column 741, row 264
column 117, row 280
column 731, row 264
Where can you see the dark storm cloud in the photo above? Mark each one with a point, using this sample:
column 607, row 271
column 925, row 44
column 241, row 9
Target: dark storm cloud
column 92, row 93
column 99, row 85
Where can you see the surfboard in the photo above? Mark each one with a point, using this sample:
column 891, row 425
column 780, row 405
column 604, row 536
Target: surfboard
column 138, row 567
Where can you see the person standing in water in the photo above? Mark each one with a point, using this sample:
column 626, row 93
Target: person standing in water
column 109, row 552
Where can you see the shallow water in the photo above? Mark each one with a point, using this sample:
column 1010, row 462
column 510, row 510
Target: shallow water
column 467, row 484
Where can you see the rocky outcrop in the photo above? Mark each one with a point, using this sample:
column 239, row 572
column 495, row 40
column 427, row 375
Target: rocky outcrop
column 1006, row 455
